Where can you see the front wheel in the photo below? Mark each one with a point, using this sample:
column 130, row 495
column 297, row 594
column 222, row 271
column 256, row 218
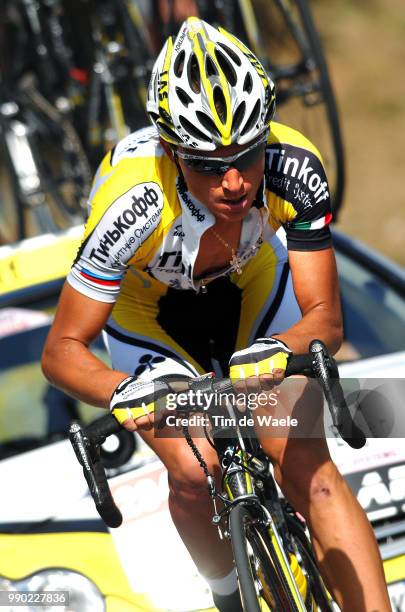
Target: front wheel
column 264, row 580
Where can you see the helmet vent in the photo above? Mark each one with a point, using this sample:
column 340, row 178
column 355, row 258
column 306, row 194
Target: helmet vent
column 193, row 130
column 238, row 116
column 254, row 115
column 220, row 104
column 193, row 73
column 226, row 67
column 231, row 53
column 165, row 116
column 210, row 67
column 178, row 66
column 269, row 113
column 207, row 122
column 153, row 116
column 171, row 134
column 184, row 98
column 248, row 83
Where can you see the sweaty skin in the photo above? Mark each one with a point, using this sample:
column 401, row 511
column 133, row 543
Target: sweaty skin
column 342, row 536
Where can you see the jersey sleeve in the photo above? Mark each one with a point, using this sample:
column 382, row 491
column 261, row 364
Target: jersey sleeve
column 114, row 231
column 295, row 176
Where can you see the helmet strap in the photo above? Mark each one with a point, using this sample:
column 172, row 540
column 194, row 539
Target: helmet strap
column 258, row 202
column 180, row 171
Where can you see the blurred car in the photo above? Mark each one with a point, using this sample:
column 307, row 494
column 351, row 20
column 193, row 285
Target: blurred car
column 50, row 534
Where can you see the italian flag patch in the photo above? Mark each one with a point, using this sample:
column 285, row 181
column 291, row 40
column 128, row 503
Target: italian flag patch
column 311, row 225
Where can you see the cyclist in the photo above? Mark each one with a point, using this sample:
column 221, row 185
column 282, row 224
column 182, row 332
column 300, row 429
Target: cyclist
column 208, row 242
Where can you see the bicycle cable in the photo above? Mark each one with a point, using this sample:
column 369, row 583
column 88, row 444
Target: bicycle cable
column 210, row 479
column 199, row 457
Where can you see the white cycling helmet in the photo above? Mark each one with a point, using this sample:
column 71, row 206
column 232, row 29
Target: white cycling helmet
column 208, row 89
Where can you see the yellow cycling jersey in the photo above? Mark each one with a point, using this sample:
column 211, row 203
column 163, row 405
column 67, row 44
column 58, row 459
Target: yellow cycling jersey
column 144, row 226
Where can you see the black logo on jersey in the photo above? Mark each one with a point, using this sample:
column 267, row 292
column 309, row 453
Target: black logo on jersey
column 194, row 210
column 139, row 208
column 175, row 283
column 296, row 175
column 170, row 259
column 133, row 145
column 129, row 145
column 147, row 362
column 178, row 231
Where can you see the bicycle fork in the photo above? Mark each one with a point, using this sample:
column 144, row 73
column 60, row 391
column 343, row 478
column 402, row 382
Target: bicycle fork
column 239, row 485
column 297, row 581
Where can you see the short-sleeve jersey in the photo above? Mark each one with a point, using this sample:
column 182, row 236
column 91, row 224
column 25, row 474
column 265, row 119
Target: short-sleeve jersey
column 143, row 220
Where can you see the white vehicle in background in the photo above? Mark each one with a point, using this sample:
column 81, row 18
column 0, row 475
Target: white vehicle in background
column 376, row 473
column 51, row 536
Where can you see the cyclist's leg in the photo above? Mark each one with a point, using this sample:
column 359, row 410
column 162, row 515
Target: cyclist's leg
column 342, row 536
column 151, row 357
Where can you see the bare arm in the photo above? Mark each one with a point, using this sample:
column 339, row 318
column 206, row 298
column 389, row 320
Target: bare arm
column 67, row 361
column 316, row 288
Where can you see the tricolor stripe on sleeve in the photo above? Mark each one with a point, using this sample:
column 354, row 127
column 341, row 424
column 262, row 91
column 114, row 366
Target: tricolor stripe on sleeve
column 109, row 281
column 102, row 285
column 311, row 225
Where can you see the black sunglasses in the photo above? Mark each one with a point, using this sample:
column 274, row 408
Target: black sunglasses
column 219, row 165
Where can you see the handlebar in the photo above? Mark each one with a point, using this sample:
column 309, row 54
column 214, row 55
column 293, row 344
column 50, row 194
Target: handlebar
column 86, row 441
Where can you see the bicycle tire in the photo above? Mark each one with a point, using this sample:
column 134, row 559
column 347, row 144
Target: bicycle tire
column 133, row 88
column 257, row 561
column 314, row 91
column 60, row 179
column 119, row 75
column 330, row 101
column 64, row 168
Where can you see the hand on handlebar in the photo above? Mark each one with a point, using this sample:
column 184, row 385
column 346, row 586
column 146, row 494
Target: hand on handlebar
column 127, row 400
column 134, row 401
column 266, row 359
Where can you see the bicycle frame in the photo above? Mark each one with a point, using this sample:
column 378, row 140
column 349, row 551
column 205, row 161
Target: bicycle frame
column 244, row 483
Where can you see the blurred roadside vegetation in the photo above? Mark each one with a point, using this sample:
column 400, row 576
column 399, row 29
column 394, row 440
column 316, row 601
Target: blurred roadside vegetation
column 364, row 42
